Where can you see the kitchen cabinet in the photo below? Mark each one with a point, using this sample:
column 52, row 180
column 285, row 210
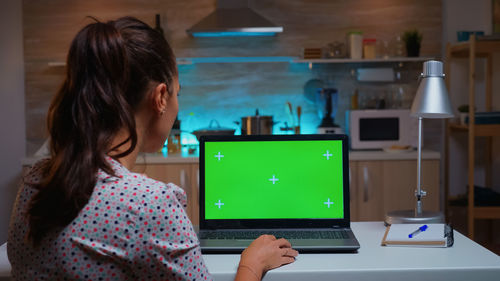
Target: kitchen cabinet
column 367, row 190
column 381, row 186
column 184, row 175
column 379, row 182
column 376, row 188
column 353, row 182
column 471, row 50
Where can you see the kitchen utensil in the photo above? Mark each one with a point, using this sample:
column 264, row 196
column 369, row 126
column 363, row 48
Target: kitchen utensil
column 299, row 113
column 286, row 128
column 213, row 130
column 257, row 124
column 310, row 89
column 327, row 103
column 289, row 113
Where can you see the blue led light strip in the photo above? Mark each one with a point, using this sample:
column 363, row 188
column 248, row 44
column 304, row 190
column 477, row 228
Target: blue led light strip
column 232, row 34
column 234, row 59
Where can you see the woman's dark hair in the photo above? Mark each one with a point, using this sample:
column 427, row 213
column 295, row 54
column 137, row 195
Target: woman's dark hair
column 110, row 67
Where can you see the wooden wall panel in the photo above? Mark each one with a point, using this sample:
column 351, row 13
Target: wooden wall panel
column 50, row 25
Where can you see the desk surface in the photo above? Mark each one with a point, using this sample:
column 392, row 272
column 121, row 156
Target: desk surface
column 466, row 260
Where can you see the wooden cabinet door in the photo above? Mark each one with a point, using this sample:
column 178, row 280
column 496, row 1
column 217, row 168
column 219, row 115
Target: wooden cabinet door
column 370, row 188
column 353, row 190
column 194, row 198
column 179, row 174
column 400, row 183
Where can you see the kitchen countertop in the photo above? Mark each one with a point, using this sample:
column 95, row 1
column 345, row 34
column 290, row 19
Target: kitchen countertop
column 185, row 158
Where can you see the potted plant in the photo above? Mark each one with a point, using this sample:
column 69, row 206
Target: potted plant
column 412, row 39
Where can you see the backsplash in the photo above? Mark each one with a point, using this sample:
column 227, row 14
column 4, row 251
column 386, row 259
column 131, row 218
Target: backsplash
column 228, row 91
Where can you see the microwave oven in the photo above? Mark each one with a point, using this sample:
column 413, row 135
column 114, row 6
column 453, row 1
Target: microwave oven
column 379, row 129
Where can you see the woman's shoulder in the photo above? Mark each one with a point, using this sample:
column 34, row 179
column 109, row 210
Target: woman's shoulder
column 155, row 189
column 35, row 173
column 127, row 184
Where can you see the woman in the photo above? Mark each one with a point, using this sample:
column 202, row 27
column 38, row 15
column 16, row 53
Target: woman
column 82, row 215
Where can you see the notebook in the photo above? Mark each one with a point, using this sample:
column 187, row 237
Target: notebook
column 291, row 186
column 418, row 235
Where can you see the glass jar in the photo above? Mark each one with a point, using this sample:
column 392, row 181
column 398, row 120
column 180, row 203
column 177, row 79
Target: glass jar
column 355, row 44
column 335, row 50
column 383, row 50
column 398, row 47
column 369, row 48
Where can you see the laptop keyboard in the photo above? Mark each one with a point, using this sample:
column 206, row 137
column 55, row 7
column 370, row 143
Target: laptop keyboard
column 287, row 234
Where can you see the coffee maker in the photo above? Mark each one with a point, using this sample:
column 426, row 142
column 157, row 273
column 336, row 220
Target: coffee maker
column 327, row 103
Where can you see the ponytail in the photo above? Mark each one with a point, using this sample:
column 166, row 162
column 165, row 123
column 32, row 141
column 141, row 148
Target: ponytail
column 109, row 68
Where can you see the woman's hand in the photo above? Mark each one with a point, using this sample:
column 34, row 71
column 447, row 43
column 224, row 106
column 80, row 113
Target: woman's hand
column 265, row 253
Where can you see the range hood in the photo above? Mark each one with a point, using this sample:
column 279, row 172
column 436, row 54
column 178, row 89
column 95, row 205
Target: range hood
column 234, row 18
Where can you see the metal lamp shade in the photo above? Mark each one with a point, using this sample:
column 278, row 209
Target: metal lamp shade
column 432, row 99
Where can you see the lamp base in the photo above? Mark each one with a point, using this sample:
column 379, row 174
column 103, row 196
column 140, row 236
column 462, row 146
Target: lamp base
column 408, row 216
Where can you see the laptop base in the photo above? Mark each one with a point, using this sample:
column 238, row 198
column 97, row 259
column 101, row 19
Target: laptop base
column 349, row 244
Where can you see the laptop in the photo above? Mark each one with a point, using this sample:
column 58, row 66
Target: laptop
column 291, row 186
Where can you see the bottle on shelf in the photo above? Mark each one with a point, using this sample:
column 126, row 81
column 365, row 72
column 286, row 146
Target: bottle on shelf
column 369, row 48
column 354, row 100
column 355, row 44
column 174, row 140
column 158, row 24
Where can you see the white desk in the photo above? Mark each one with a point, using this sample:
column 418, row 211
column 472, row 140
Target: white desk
column 466, row 260
column 4, row 263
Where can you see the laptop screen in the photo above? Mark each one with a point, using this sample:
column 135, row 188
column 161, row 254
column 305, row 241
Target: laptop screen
column 273, row 177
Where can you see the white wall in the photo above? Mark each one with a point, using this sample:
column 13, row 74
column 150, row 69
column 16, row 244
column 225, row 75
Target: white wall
column 469, row 15
column 12, row 140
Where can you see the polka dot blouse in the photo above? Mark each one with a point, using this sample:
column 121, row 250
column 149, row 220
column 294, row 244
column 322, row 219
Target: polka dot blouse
column 133, row 228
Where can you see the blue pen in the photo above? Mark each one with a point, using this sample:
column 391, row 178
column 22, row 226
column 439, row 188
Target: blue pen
column 420, row 229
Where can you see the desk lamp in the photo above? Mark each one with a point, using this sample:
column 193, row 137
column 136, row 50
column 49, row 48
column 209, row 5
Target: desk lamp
column 431, row 101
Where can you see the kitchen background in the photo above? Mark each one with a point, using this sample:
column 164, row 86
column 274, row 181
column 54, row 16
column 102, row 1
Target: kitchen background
column 228, row 91
column 39, row 34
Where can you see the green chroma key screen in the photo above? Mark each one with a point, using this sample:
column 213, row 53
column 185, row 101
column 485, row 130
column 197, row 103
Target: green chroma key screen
column 299, row 179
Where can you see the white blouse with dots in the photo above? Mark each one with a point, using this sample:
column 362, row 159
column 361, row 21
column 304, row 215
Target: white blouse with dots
column 132, row 228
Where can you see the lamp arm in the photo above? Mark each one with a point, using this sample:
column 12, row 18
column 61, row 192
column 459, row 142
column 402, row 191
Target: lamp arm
column 419, row 193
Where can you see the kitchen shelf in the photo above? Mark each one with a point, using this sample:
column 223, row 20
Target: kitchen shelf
column 471, row 50
column 194, row 60
column 489, row 130
column 275, row 59
column 380, row 60
column 482, row 48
